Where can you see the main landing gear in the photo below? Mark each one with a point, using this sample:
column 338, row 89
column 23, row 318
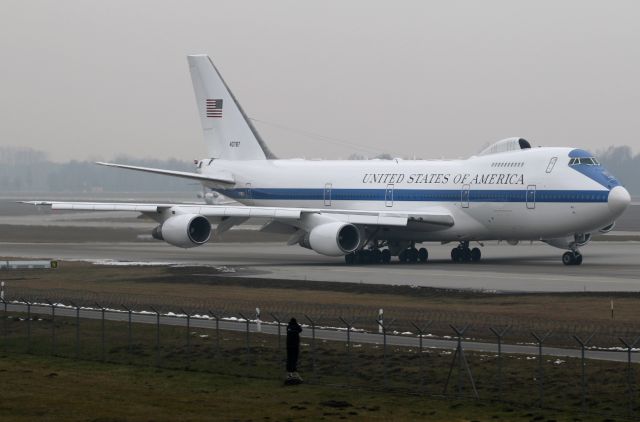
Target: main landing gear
column 376, row 255
column 464, row 254
column 368, row 256
column 572, row 258
column 413, row 255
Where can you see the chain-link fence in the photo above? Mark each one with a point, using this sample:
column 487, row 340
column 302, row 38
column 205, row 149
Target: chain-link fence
column 525, row 367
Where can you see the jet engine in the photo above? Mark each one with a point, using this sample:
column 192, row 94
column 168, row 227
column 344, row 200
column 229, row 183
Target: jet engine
column 332, row 239
column 578, row 239
column 184, row 230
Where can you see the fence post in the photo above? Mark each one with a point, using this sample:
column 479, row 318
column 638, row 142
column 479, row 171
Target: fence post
column 384, row 328
column 28, row 324
column 630, row 346
column 129, row 337
column 583, row 381
column 540, row 340
column 53, row 327
column 277, row 320
column 5, row 328
column 248, row 344
column 279, row 357
column 462, row 363
column 77, row 329
column 188, row 336
column 421, row 331
column 103, row 330
column 217, row 318
column 349, row 326
column 157, row 336
column 500, row 335
column 313, row 345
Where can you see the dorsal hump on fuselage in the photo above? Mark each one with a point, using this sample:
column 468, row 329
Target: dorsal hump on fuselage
column 509, row 144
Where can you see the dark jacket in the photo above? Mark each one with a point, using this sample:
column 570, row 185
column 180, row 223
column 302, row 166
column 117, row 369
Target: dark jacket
column 293, row 334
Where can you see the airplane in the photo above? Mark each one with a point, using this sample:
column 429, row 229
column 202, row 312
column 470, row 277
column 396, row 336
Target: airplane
column 369, row 211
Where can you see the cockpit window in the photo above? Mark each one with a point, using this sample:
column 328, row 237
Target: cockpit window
column 589, row 161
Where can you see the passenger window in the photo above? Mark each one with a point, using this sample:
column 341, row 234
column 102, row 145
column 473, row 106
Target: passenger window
column 552, row 163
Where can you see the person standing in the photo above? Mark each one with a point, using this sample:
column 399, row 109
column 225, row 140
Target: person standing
column 293, row 351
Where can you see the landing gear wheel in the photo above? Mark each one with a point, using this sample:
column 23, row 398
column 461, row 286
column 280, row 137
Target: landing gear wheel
column 578, row 259
column 386, row 256
column 412, row 254
column 402, row 256
column 457, row 255
column 376, row 256
column 475, row 255
column 350, row 259
column 568, row 258
column 423, row 255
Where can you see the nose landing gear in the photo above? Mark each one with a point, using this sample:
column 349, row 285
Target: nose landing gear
column 572, row 258
column 464, row 254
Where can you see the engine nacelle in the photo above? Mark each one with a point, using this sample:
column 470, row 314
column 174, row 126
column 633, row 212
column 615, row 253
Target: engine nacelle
column 184, row 230
column 332, row 239
column 608, row 228
column 579, row 239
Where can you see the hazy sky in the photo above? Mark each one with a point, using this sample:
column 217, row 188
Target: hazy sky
column 92, row 79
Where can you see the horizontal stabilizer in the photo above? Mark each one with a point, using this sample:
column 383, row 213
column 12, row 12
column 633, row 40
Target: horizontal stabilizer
column 222, row 179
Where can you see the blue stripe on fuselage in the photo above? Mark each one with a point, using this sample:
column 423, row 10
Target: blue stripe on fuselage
column 418, row 195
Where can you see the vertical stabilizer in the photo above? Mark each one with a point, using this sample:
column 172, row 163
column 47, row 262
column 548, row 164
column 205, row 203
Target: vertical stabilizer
column 228, row 132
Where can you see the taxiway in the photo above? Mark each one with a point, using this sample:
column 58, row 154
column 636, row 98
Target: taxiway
column 608, row 266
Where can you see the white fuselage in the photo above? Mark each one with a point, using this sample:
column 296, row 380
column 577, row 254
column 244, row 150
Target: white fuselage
column 527, row 194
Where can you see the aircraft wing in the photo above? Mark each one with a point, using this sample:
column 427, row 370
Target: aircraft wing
column 223, row 179
column 432, row 215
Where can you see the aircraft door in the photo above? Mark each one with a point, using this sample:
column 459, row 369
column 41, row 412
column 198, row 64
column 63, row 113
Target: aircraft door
column 388, row 195
column 464, row 196
column 531, row 197
column 248, row 194
column 327, row 195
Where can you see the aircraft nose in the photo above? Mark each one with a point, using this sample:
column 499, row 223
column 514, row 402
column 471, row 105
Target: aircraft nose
column 619, row 200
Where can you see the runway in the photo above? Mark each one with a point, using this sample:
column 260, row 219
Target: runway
column 608, row 266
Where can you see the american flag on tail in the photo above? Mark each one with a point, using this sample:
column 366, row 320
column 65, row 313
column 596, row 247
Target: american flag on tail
column 214, row 108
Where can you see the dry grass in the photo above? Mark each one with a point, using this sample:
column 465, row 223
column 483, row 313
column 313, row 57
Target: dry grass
column 204, row 381
column 201, row 289
column 48, row 389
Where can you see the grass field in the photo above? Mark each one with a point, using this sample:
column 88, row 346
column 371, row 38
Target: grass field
column 197, row 378
column 47, row 389
column 351, row 374
column 201, row 289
